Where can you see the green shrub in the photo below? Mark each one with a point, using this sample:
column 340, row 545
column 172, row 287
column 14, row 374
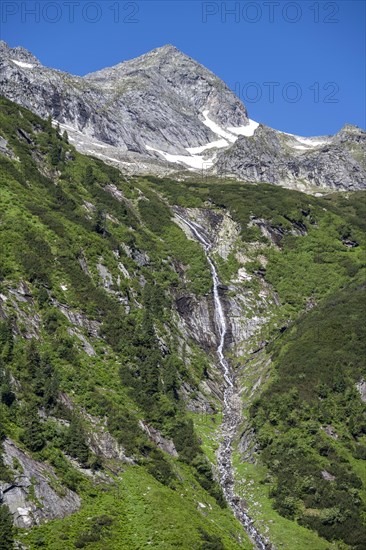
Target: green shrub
column 6, row 529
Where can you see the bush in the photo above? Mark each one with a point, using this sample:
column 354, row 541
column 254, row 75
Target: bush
column 160, row 468
column 75, row 444
column 6, row 528
column 210, row 542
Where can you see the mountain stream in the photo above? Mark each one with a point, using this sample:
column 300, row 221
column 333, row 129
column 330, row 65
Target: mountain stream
column 232, row 402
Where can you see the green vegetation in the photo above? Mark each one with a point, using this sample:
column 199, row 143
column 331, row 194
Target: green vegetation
column 6, row 529
column 91, row 264
column 252, row 485
column 311, row 421
column 318, row 257
column 148, row 514
column 60, row 220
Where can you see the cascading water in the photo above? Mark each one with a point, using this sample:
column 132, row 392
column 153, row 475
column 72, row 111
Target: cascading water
column 232, row 403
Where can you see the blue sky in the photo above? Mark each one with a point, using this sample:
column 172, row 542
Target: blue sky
column 298, row 66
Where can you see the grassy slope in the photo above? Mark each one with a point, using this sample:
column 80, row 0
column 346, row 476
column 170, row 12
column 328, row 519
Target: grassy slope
column 144, row 514
column 45, row 230
column 55, row 211
column 323, row 347
column 318, row 362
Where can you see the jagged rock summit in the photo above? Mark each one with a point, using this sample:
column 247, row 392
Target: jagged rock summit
column 165, row 113
column 333, row 162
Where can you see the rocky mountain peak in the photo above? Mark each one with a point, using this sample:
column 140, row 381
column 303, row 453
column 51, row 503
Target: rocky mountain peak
column 167, row 49
column 163, row 112
column 18, row 53
column 352, row 133
column 171, row 54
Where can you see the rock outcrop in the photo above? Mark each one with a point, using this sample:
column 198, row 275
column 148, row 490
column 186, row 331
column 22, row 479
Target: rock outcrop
column 336, row 162
column 36, row 494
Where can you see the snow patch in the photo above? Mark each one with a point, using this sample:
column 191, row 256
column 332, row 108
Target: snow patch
column 22, row 64
column 66, row 127
column 95, row 153
column 232, row 132
column 217, row 129
column 247, row 130
column 218, row 144
column 72, row 130
column 310, row 142
column 227, row 137
column 306, row 143
column 193, row 161
column 99, row 144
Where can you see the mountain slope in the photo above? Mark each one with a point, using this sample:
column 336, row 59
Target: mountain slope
column 86, row 292
column 156, row 100
column 336, row 162
column 111, row 389
column 165, row 113
column 310, row 421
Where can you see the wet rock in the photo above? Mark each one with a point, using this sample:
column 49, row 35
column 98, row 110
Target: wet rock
column 198, row 317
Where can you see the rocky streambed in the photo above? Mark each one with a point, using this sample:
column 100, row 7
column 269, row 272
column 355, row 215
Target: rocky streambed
column 232, row 416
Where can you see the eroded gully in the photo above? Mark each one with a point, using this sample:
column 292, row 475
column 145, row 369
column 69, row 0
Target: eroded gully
column 232, row 403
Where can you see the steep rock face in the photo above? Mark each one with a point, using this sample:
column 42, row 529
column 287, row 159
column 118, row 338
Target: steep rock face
column 336, row 162
column 22, row 302
column 198, row 313
column 155, row 100
column 244, row 325
column 161, row 442
column 32, row 498
column 241, row 305
column 198, row 317
column 165, row 113
column 165, row 86
column 45, row 91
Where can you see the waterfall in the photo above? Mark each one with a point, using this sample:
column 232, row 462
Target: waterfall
column 232, row 403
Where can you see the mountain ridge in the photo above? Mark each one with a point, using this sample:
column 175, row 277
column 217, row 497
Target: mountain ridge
column 165, row 113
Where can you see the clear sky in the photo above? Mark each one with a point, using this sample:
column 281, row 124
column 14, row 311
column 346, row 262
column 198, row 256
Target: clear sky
column 298, row 66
